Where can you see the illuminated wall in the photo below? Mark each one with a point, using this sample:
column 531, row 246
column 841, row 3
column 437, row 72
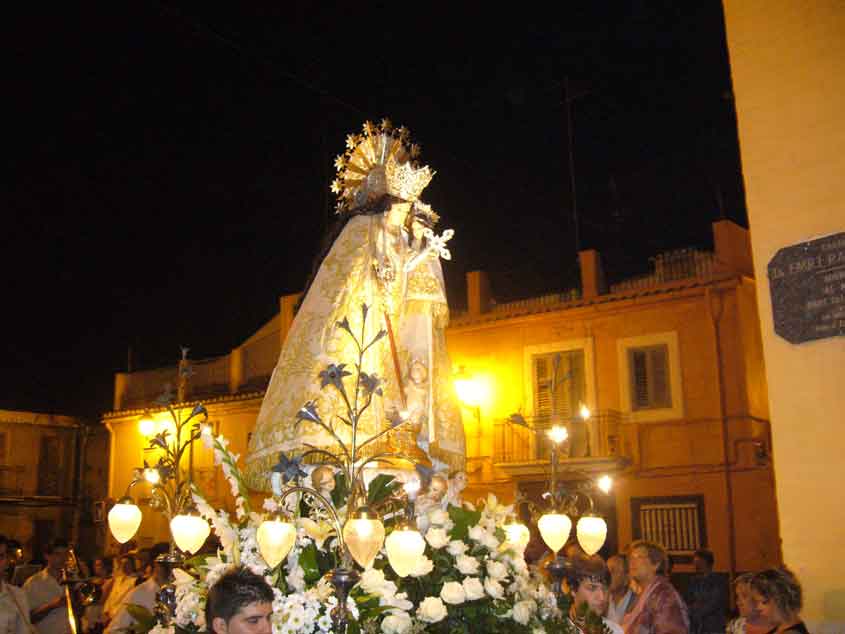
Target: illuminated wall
column 788, row 68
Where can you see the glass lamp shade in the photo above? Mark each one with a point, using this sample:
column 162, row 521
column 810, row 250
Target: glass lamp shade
column 517, row 534
column 275, row 539
column 189, row 532
column 404, row 548
column 124, row 520
column 591, row 531
column 554, row 529
column 364, row 535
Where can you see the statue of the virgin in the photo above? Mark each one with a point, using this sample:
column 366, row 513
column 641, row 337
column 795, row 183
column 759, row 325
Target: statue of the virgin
column 386, row 256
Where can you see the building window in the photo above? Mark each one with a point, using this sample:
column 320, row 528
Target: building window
column 650, row 377
column 3, row 444
column 558, row 383
column 648, row 370
column 49, row 465
column 676, row 522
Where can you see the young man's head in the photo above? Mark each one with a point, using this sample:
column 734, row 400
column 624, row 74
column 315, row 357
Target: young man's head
column 241, row 602
column 57, row 554
column 589, row 581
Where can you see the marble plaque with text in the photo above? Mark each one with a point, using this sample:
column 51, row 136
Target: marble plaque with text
column 807, row 284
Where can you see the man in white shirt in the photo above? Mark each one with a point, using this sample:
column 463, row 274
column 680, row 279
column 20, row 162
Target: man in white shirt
column 46, row 596
column 14, row 608
column 143, row 596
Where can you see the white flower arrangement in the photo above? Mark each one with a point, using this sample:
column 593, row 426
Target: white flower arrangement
column 468, row 575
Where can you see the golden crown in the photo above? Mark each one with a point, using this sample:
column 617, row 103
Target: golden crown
column 380, row 161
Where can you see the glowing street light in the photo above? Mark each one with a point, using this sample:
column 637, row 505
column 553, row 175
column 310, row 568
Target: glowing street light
column 473, row 391
column 558, row 434
column 147, row 425
column 605, row 483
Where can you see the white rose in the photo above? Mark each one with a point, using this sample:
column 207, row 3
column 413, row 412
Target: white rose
column 473, row 588
column 456, row 547
column 372, row 581
column 476, row 533
column 423, row 566
column 522, row 611
column 497, row 570
column 489, row 541
column 453, row 593
column 494, row 588
column 467, row 565
column 432, row 610
column 437, row 538
column 519, row 566
column 396, row 623
column 399, row 600
column 439, row 517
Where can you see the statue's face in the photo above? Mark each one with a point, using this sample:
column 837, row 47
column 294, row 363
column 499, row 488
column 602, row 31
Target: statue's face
column 417, row 229
column 397, row 213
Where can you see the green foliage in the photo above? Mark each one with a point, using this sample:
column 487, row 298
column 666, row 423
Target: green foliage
column 308, row 561
column 341, row 490
column 382, row 487
column 463, row 520
column 144, row 619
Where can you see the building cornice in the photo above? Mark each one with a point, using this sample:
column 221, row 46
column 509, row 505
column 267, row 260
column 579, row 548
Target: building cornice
column 228, row 399
column 670, row 291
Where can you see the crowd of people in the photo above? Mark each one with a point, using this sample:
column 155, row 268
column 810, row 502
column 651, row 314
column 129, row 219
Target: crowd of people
column 634, row 594
column 42, row 596
column 631, row 593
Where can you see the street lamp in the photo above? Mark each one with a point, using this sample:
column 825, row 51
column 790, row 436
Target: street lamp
column 147, row 425
column 171, row 492
column 473, row 391
column 555, row 524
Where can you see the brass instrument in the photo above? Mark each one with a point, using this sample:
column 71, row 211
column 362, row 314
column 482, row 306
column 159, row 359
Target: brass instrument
column 80, row 592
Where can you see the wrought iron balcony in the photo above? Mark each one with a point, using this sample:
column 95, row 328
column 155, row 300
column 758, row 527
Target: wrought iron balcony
column 523, row 442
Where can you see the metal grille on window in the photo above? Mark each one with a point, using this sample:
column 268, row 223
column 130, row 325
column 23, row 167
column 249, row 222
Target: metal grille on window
column 649, row 369
column 677, row 526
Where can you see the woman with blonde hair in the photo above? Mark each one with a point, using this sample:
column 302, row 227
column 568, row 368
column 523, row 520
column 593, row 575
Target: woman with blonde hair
column 777, row 598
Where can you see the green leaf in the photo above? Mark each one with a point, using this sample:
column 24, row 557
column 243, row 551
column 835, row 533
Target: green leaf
column 463, row 519
column 381, row 487
column 340, row 491
column 308, row 561
column 144, row 618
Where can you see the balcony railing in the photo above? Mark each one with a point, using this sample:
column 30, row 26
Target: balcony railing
column 525, row 439
column 671, row 266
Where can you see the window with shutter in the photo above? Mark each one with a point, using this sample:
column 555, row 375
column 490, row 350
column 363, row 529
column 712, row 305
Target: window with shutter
column 559, row 387
column 650, row 379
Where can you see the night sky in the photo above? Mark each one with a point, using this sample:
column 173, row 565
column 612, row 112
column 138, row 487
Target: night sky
column 167, row 163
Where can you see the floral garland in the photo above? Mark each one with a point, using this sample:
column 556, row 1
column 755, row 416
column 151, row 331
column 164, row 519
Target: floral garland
column 470, row 576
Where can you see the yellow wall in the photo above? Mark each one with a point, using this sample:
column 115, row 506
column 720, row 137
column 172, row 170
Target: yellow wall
column 233, row 418
column 788, row 68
